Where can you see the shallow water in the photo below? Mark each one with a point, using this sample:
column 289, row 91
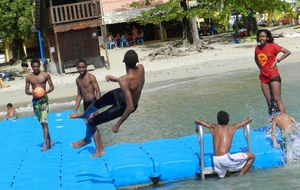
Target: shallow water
column 167, row 110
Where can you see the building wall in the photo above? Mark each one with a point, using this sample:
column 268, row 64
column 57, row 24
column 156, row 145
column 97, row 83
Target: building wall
column 79, row 44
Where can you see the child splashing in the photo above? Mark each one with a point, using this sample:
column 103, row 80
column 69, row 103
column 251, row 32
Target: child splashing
column 266, row 59
column 290, row 135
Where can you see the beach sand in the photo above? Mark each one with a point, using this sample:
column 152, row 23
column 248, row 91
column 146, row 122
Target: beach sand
column 221, row 59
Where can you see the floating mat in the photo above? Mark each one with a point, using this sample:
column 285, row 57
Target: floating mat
column 24, row 166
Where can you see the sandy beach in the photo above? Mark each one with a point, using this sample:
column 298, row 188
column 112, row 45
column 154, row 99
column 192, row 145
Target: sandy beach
column 221, row 59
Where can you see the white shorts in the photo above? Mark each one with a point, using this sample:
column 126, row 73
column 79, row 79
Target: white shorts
column 230, row 162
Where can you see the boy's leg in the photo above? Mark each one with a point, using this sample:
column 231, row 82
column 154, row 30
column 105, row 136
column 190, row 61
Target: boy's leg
column 47, row 139
column 247, row 166
column 89, row 133
column 98, row 143
column 276, row 93
column 105, row 100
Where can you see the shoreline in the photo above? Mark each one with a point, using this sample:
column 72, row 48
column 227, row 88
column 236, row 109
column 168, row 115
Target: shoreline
column 222, row 59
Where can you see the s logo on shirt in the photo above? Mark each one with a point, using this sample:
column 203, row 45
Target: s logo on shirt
column 262, row 59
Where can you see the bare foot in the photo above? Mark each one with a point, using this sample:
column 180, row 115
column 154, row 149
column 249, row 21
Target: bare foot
column 44, row 147
column 98, row 154
column 79, row 144
column 50, row 144
column 115, row 128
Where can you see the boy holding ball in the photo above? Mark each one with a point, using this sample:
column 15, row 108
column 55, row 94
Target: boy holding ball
column 38, row 79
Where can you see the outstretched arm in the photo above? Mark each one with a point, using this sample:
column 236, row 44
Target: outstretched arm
column 203, row 123
column 273, row 134
column 242, row 123
column 110, row 78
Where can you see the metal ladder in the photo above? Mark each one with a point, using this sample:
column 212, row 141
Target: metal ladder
column 209, row 170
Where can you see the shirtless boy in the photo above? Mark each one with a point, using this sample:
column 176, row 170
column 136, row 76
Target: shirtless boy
column 87, row 90
column 40, row 105
column 287, row 126
column 222, row 139
column 123, row 100
column 11, row 113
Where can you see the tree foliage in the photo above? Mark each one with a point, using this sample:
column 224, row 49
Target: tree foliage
column 218, row 10
column 16, row 19
column 165, row 12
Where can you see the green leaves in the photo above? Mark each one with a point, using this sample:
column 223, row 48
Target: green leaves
column 218, row 10
column 166, row 12
column 16, row 18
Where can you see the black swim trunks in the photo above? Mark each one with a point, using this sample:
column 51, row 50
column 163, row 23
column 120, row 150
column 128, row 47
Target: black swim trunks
column 86, row 104
column 277, row 79
column 116, row 99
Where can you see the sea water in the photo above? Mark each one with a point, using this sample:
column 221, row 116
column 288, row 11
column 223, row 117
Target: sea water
column 240, row 95
column 167, row 110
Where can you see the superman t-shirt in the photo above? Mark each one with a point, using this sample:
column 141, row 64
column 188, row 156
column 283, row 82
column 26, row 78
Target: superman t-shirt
column 266, row 56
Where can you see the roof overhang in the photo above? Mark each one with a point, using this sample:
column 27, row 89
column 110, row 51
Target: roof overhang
column 77, row 25
column 121, row 16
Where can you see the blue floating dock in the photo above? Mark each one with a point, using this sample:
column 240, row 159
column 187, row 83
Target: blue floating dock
column 23, row 166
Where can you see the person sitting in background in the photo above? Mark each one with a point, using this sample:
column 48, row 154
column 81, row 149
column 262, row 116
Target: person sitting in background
column 123, row 40
column 140, row 39
column 3, row 85
column 11, row 113
column 24, row 66
column 117, row 38
column 111, row 42
column 135, row 35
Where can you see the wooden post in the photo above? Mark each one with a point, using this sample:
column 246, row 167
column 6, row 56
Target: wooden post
column 56, row 41
column 58, row 53
column 104, row 33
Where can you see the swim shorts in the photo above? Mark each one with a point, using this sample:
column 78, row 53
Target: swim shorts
column 114, row 98
column 41, row 109
column 229, row 162
column 269, row 76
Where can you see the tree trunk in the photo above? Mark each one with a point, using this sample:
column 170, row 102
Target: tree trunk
column 195, row 32
column 236, row 29
column 17, row 47
column 187, row 34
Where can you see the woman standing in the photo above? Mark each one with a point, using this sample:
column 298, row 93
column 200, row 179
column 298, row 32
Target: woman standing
column 266, row 59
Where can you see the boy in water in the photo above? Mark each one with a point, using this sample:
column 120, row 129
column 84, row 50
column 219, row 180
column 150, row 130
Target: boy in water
column 40, row 105
column 287, row 126
column 11, row 113
column 87, row 90
column 123, row 100
column 222, row 139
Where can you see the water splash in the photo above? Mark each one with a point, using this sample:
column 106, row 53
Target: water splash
column 293, row 148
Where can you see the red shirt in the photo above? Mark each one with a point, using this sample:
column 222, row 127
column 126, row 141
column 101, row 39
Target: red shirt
column 266, row 56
